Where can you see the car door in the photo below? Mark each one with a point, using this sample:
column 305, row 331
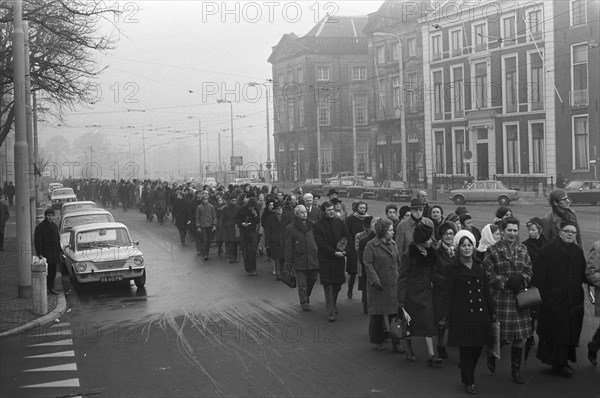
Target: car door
column 475, row 192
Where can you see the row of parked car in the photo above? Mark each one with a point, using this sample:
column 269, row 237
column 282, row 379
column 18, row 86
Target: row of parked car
column 95, row 248
column 579, row 192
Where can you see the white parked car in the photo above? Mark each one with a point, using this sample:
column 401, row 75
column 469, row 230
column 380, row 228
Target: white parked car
column 103, row 253
column 61, row 196
column 77, row 206
column 74, row 219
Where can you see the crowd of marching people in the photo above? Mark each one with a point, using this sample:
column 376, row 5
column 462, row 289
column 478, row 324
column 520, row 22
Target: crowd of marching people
column 422, row 272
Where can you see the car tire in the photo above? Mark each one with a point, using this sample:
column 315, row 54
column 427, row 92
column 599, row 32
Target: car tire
column 140, row 282
column 77, row 286
column 503, row 201
column 459, row 200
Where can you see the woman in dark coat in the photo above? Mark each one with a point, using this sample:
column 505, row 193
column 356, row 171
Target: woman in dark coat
column 446, row 256
column 228, row 229
column 332, row 237
column 468, row 307
column 419, row 272
column 559, row 274
column 536, row 240
column 248, row 220
column 220, row 205
column 354, row 222
column 180, row 214
column 381, row 262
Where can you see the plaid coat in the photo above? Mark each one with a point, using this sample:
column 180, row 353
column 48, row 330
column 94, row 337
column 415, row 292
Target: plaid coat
column 502, row 261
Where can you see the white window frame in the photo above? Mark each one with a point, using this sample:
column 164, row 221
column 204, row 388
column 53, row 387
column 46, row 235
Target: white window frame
column 327, row 112
column 505, row 148
column 433, row 37
column 411, row 90
column 362, row 143
column 455, row 167
column 587, row 62
column 356, row 108
column 587, row 141
column 584, row 2
column 456, row 52
column 433, row 96
column 383, row 94
column 301, row 113
column 396, row 92
column 320, row 76
column 528, row 25
column 530, row 140
column 380, row 54
column 362, row 72
column 488, row 91
column 484, row 37
column 290, row 116
column 505, row 35
column 411, row 46
column 505, row 86
column 529, row 84
column 281, row 146
column 326, row 157
column 441, row 162
column 453, row 91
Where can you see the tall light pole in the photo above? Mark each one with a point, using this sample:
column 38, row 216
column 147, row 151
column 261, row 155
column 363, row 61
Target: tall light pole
column 222, row 101
column 401, row 102
column 268, row 132
column 199, row 145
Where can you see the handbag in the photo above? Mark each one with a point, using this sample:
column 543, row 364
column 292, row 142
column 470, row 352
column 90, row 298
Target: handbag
column 288, row 277
column 398, row 328
column 528, row 298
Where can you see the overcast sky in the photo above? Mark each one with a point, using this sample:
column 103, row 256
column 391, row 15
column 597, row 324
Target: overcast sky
column 172, row 54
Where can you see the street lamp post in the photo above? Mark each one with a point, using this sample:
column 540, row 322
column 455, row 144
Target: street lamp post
column 222, row 101
column 268, row 132
column 401, row 102
column 199, row 145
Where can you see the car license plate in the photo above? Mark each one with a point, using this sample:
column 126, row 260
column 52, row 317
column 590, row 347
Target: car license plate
column 114, row 278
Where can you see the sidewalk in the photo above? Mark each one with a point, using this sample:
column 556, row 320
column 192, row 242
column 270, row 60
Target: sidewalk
column 16, row 314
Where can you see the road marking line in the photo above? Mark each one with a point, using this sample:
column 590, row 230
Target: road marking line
column 55, row 355
column 60, row 383
column 53, row 343
column 60, row 325
column 56, row 368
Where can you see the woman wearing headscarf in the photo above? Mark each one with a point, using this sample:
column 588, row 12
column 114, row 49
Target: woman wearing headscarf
column 468, row 307
column 490, row 234
column 419, row 273
column 559, row 274
column 561, row 212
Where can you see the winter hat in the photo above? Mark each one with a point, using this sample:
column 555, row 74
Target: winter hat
column 536, row 221
column 416, row 204
column 460, row 234
column 422, row 233
column 464, row 217
column 445, row 226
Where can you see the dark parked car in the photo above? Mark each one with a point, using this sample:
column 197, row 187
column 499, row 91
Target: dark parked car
column 341, row 186
column 393, row 191
column 363, row 189
column 484, row 191
column 312, row 185
column 584, row 192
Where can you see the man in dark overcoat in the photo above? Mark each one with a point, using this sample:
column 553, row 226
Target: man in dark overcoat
column 228, row 229
column 274, row 226
column 46, row 241
column 330, row 234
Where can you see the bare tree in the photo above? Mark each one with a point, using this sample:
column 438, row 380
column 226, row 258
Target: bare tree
column 65, row 38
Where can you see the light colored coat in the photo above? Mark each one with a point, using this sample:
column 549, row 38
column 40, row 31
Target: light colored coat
column 592, row 272
column 405, row 230
column 381, row 266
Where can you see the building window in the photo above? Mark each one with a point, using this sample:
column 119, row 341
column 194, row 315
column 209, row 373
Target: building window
column 326, row 157
column 578, row 12
column 579, row 75
column 411, row 45
column 281, row 80
column 458, row 107
column 362, row 155
column 481, row 86
column 580, row 143
column 459, row 150
column 511, row 87
column 281, row 146
column 438, row 95
column 535, row 25
column 380, row 53
column 440, row 151
column 536, row 82
column 359, row 73
column 290, row 116
column 536, row 132
column 324, row 115
column 436, row 47
column 281, row 113
column 511, row 146
column 360, row 109
column 300, row 75
column 301, row 113
column 397, row 90
column 412, row 87
column 323, row 73
column 509, row 31
column 456, row 42
column 480, row 38
column 382, row 94
column 395, row 51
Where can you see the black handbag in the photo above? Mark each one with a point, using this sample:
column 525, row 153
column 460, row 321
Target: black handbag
column 528, row 298
column 288, row 277
column 398, row 328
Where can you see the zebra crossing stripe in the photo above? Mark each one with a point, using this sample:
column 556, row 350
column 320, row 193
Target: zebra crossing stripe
column 58, row 384
column 53, row 343
column 56, row 368
column 70, row 353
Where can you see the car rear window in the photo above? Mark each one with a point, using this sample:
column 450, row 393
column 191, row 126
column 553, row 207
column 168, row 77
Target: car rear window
column 62, row 191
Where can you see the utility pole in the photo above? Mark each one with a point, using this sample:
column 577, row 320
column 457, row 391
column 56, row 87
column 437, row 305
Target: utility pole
column 23, row 214
column 354, row 155
column 29, row 125
column 144, row 149
column 318, row 145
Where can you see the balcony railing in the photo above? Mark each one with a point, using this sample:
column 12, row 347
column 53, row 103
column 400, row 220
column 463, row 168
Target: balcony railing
column 579, row 98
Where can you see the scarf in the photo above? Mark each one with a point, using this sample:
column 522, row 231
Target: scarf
column 361, row 217
column 449, row 249
column 416, row 220
column 487, row 239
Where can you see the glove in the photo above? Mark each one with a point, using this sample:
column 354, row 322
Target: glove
column 378, row 286
column 516, row 283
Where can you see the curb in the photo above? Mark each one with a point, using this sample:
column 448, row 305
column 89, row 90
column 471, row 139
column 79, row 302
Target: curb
column 59, row 310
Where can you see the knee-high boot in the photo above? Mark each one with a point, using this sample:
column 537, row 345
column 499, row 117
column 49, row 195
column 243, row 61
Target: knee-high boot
column 351, row 280
column 515, row 364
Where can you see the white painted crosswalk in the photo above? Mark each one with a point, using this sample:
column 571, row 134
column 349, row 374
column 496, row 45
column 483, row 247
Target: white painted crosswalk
column 60, row 374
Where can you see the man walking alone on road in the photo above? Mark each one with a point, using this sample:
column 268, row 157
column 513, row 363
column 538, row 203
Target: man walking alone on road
column 47, row 244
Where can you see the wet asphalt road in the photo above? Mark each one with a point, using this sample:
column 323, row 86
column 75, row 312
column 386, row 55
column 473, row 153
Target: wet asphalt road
column 207, row 329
